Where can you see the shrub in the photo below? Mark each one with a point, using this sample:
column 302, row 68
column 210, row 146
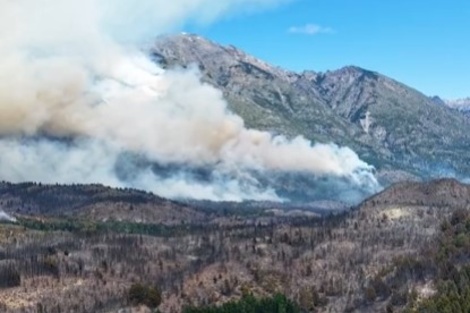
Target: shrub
column 144, row 295
column 9, row 278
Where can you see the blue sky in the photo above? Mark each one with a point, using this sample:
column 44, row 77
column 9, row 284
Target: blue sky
column 425, row 44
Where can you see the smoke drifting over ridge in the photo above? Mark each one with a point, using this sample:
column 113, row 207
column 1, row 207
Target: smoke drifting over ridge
column 79, row 103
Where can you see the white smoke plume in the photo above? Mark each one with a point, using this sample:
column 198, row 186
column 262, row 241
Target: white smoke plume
column 6, row 217
column 76, row 95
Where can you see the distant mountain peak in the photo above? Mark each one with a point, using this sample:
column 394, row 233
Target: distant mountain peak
column 438, row 100
column 461, row 105
column 355, row 69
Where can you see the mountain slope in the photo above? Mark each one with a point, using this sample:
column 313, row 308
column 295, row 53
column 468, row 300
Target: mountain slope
column 262, row 94
column 389, row 124
column 366, row 260
column 95, row 202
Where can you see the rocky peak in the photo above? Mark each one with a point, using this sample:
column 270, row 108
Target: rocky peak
column 354, row 71
column 193, row 49
column 438, row 100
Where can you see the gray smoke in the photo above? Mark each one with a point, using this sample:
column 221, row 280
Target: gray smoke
column 80, row 103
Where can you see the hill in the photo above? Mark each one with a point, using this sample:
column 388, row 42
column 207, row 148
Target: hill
column 438, row 193
column 95, row 202
column 388, row 254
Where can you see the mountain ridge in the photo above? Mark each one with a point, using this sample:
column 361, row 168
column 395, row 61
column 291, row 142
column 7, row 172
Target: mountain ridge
column 462, row 105
column 93, row 201
column 389, row 124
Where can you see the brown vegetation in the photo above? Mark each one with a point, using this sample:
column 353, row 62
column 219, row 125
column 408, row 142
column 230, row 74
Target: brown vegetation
column 371, row 259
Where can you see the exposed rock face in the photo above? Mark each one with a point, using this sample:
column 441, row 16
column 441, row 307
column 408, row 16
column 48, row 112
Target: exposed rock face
column 389, row 124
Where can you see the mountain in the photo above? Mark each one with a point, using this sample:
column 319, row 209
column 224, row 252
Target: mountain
column 390, row 125
column 461, row 105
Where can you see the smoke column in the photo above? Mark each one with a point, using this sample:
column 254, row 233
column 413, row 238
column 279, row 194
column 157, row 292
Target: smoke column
column 79, row 103
column 5, row 217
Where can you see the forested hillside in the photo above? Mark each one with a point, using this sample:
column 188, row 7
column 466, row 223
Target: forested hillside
column 397, row 251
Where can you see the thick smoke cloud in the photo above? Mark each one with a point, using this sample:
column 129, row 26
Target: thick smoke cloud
column 80, row 103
